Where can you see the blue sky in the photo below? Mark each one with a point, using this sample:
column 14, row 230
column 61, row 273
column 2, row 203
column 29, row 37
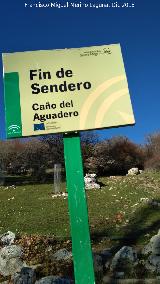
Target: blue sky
column 136, row 29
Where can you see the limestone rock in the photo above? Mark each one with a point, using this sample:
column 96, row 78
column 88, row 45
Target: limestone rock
column 62, row 254
column 7, row 238
column 11, row 251
column 10, row 260
column 153, row 263
column 124, row 258
column 153, row 247
column 133, row 171
column 27, row 275
column 90, row 181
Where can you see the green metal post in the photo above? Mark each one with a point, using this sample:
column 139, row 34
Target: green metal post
column 81, row 245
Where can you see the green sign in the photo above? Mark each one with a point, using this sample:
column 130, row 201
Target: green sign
column 67, row 90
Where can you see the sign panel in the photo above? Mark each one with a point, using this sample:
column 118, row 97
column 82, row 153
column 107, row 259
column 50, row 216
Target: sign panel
column 59, row 91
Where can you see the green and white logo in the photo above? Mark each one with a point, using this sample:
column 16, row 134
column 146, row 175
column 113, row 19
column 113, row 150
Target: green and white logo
column 14, row 129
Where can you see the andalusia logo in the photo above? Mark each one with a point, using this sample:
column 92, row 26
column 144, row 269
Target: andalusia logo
column 14, row 129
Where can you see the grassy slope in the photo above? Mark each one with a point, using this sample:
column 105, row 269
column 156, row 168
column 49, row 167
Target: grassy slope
column 114, row 210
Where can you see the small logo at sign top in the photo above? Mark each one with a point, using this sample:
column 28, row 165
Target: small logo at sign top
column 96, row 52
column 39, row 126
column 14, row 129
